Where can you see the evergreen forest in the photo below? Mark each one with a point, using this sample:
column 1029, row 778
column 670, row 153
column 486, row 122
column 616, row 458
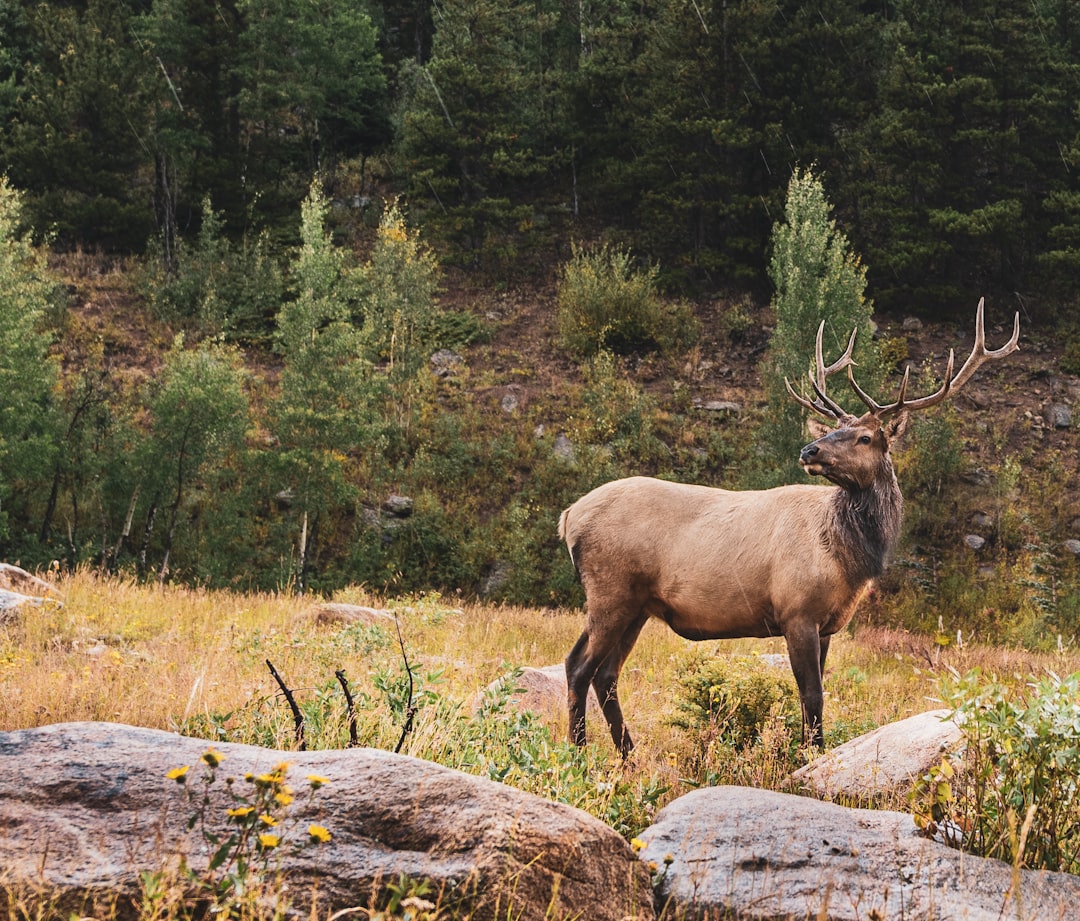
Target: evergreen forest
column 228, row 231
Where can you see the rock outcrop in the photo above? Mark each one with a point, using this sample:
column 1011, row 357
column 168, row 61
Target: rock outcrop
column 891, row 757
column 85, row 808
column 757, row 854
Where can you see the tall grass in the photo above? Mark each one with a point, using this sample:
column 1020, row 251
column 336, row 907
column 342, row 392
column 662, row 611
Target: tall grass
column 178, row 658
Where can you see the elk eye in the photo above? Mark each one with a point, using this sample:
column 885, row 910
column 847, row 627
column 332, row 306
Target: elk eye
column 865, row 440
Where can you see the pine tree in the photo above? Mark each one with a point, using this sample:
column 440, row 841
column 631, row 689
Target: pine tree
column 817, row 278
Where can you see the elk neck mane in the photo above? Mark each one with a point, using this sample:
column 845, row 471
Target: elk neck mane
column 864, row 526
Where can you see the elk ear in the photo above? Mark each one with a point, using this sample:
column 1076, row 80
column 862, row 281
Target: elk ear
column 895, row 428
column 817, row 428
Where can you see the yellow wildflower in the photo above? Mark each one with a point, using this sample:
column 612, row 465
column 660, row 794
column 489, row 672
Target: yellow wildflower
column 637, row 844
column 212, row 758
column 179, row 774
column 268, row 820
column 283, row 798
column 317, row 781
column 318, row 834
column 240, row 812
column 268, row 841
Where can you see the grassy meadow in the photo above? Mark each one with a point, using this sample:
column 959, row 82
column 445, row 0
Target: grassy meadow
column 196, row 661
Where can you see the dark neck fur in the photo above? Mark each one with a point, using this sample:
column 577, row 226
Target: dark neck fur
column 866, row 525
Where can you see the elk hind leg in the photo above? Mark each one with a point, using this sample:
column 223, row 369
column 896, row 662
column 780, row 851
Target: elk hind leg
column 578, row 676
column 606, row 685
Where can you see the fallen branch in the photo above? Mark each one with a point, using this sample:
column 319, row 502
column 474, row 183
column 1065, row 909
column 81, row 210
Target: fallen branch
column 351, row 712
column 298, row 717
column 410, row 707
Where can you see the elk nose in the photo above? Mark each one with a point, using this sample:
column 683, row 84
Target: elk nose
column 808, row 452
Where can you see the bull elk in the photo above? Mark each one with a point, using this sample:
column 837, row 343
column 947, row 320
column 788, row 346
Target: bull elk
column 792, row 561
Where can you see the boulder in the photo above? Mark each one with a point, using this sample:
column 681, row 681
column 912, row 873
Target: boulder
column 15, row 579
column 1057, row 415
column 543, row 691
column 398, row 506
column 337, row 614
column 85, row 808
column 446, row 363
column 885, row 760
column 757, row 854
column 19, row 588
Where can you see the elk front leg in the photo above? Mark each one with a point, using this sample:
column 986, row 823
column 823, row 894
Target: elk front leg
column 807, row 650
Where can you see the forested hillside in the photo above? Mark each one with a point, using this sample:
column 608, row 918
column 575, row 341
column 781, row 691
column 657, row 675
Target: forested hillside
column 234, row 234
column 949, row 134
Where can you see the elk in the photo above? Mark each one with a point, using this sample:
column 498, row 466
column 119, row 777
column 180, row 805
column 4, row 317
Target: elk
column 792, row 561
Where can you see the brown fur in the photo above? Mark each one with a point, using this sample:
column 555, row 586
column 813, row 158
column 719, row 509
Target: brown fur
column 793, row 561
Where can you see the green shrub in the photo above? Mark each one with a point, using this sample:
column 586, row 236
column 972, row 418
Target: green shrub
column 215, row 285
column 606, row 303
column 734, row 697
column 1011, row 792
column 1070, row 358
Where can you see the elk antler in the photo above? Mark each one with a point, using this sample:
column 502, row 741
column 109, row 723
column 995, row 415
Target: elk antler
column 823, row 405
column 978, row 357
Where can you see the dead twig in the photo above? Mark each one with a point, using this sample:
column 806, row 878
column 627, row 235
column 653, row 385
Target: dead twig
column 351, row 712
column 410, row 707
column 298, row 717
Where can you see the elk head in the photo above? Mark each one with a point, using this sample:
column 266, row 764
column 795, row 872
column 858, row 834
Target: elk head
column 851, row 454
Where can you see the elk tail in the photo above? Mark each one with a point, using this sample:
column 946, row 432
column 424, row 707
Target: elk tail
column 564, row 527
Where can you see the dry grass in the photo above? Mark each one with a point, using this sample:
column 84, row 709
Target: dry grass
column 180, row 658
column 173, row 657
column 168, row 657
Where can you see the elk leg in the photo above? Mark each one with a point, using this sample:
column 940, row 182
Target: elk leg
column 806, row 650
column 606, row 684
column 578, row 677
column 824, row 641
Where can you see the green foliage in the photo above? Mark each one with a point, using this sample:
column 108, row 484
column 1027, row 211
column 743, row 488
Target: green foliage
column 398, row 300
column 29, row 296
column 74, row 141
column 480, row 135
column 817, row 279
column 928, row 463
column 329, row 396
column 220, row 287
column 199, row 416
column 606, row 303
column 1070, row 359
column 247, row 854
column 733, row 698
column 1011, row 792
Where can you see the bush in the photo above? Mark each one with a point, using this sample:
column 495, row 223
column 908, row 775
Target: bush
column 1011, row 793
column 214, row 285
column 734, row 698
column 605, row 303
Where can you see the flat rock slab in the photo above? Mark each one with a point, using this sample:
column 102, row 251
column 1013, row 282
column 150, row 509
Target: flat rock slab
column 85, row 808
column 889, row 758
column 756, row 854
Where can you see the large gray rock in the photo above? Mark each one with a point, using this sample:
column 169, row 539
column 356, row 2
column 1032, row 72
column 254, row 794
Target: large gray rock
column 338, row 614
column 543, row 691
column 756, row 854
column 86, row 807
column 889, row 758
column 14, row 578
column 19, row 588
